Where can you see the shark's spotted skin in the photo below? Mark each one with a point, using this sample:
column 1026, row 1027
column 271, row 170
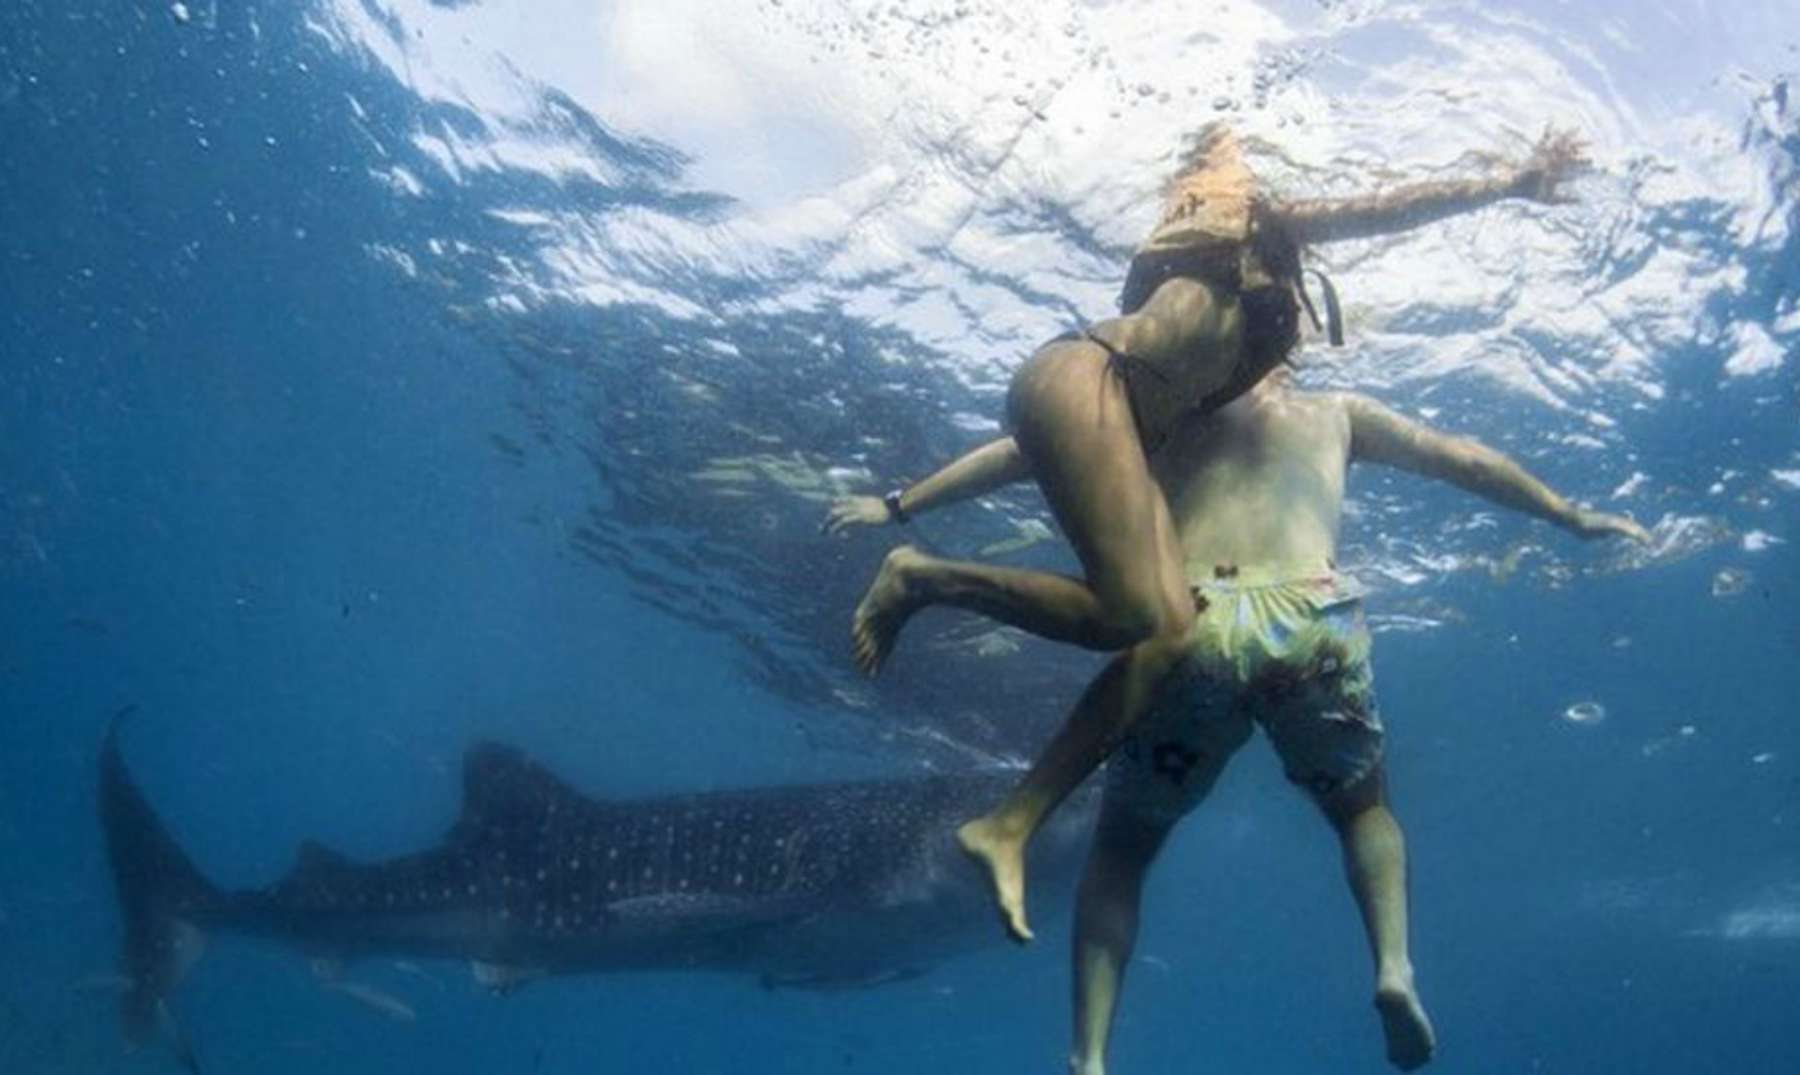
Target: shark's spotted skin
column 851, row 883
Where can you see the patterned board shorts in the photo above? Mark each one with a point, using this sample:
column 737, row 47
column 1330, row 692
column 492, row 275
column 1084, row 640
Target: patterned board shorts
column 1288, row 654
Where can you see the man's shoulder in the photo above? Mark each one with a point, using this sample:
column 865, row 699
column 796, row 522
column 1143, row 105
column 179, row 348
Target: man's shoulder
column 1307, row 416
column 1324, row 402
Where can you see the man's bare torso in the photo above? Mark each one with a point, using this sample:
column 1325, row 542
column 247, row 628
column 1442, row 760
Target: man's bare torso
column 1259, row 481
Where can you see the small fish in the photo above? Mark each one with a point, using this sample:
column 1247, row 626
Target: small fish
column 375, row 1000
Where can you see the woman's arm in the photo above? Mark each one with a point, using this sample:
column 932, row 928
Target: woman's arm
column 1558, row 155
column 983, row 470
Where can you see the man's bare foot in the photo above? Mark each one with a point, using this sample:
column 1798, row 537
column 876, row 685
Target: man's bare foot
column 1410, row 1039
column 1003, row 856
column 884, row 609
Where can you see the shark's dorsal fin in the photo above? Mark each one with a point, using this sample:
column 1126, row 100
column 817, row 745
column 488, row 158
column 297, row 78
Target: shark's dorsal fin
column 502, row 787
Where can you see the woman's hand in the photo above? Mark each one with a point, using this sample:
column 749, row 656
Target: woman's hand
column 1599, row 524
column 855, row 511
column 1557, row 157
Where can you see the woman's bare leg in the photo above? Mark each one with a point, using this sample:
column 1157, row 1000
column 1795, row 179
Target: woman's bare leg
column 1056, row 607
column 1071, row 417
column 1100, row 721
column 1072, row 420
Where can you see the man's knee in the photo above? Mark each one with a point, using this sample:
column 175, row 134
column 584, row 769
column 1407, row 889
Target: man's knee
column 1344, row 803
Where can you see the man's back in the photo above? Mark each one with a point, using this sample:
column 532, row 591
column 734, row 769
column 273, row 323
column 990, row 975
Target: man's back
column 1260, row 481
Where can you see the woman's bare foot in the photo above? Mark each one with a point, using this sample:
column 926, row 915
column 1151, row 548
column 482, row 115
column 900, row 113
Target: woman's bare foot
column 1410, row 1039
column 1002, row 853
column 885, row 609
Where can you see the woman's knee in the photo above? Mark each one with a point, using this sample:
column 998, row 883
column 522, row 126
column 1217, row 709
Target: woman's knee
column 1141, row 605
column 1132, row 623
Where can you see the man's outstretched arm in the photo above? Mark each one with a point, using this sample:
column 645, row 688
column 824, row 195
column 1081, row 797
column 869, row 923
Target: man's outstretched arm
column 1378, row 435
column 1558, row 155
column 994, row 464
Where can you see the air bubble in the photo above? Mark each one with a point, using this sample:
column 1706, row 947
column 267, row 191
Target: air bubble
column 1585, row 713
column 1730, row 581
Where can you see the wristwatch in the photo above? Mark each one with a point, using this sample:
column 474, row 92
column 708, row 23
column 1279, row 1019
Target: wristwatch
column 896, row 513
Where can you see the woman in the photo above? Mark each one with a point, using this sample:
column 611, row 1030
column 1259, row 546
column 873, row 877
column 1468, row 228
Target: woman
column 1211, row 304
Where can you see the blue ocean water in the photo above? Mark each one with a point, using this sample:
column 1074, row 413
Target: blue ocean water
column 383, row 375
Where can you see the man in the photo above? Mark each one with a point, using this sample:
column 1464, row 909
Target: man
column 1278, row 639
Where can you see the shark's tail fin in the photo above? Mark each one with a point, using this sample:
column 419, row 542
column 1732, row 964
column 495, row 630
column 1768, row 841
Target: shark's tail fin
column 162, row 897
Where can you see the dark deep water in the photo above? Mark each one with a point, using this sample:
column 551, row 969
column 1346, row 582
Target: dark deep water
column 350, row 412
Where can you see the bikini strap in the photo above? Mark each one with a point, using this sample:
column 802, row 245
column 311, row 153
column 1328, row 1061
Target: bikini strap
column 1128, row 366
column 1123, row 361
column 1334, row 313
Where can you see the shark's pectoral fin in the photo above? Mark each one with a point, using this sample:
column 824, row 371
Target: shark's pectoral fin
column 501, row 979
column 674, row 905
column 699, row 909
column 825, row 983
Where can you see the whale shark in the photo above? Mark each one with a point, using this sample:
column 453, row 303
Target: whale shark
column 819, row 885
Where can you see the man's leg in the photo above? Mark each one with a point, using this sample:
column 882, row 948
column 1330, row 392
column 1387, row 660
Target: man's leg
column 1375, row 862
column 1106, row 925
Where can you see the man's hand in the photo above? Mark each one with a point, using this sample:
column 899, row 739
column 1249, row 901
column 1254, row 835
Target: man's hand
column 1598, row 524
column 1557, row 156
column 854, row 511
